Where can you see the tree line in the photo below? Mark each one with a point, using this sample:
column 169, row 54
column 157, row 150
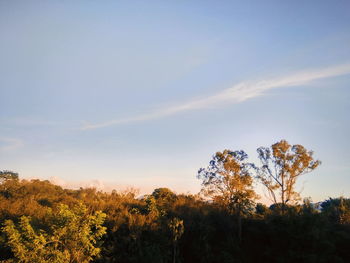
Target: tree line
column 42, row 222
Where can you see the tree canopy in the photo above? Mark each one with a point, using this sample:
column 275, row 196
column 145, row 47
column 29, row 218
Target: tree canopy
column 228, row 180
column 281, row 166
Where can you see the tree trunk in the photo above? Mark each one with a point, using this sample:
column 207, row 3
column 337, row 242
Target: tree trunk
column 239, row 224
column 283, row 202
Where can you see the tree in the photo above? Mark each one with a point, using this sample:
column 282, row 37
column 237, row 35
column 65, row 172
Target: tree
column 164, row 198
column 261, row 210
column 70, row 236
column 164, row 195
column 8, row 182
column 160, row 201
column 282, row 164
column 177, row 229
column 227, row 180
column 7, row 175
column 337, row 210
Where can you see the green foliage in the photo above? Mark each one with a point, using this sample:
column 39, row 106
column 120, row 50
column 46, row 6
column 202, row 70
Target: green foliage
column 69, row 235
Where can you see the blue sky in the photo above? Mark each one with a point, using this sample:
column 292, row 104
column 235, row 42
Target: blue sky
column 143, row 93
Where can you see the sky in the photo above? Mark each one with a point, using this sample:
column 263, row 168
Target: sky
column 114, row 94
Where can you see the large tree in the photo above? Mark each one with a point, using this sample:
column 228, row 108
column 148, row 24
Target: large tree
column 227, row 180
column 282, row 164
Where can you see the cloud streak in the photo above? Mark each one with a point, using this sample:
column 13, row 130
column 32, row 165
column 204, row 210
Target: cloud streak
column 236, row 94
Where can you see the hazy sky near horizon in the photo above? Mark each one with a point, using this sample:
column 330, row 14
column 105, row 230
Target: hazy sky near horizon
column 143, row 93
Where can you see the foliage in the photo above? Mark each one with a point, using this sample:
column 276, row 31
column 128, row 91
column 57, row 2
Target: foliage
column 42, row 222
column 337, row 210
column 134, row 234
column 177, row 229
column 282, row 164
column 70, row 235
column 6, row 175
column 227, row 180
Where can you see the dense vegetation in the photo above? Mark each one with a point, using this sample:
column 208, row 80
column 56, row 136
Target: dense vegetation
column 42, row 222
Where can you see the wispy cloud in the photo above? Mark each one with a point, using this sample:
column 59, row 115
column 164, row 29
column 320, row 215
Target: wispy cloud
column 236, row 94
column 9, row 144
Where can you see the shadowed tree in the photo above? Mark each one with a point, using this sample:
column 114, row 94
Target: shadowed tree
column 337, row 210
column 159, row 202
column 164, row 197
column 177, row 229
column 282, row 164
column 227, row 180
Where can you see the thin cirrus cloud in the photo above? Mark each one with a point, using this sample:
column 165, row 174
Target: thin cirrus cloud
column 238, row 93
